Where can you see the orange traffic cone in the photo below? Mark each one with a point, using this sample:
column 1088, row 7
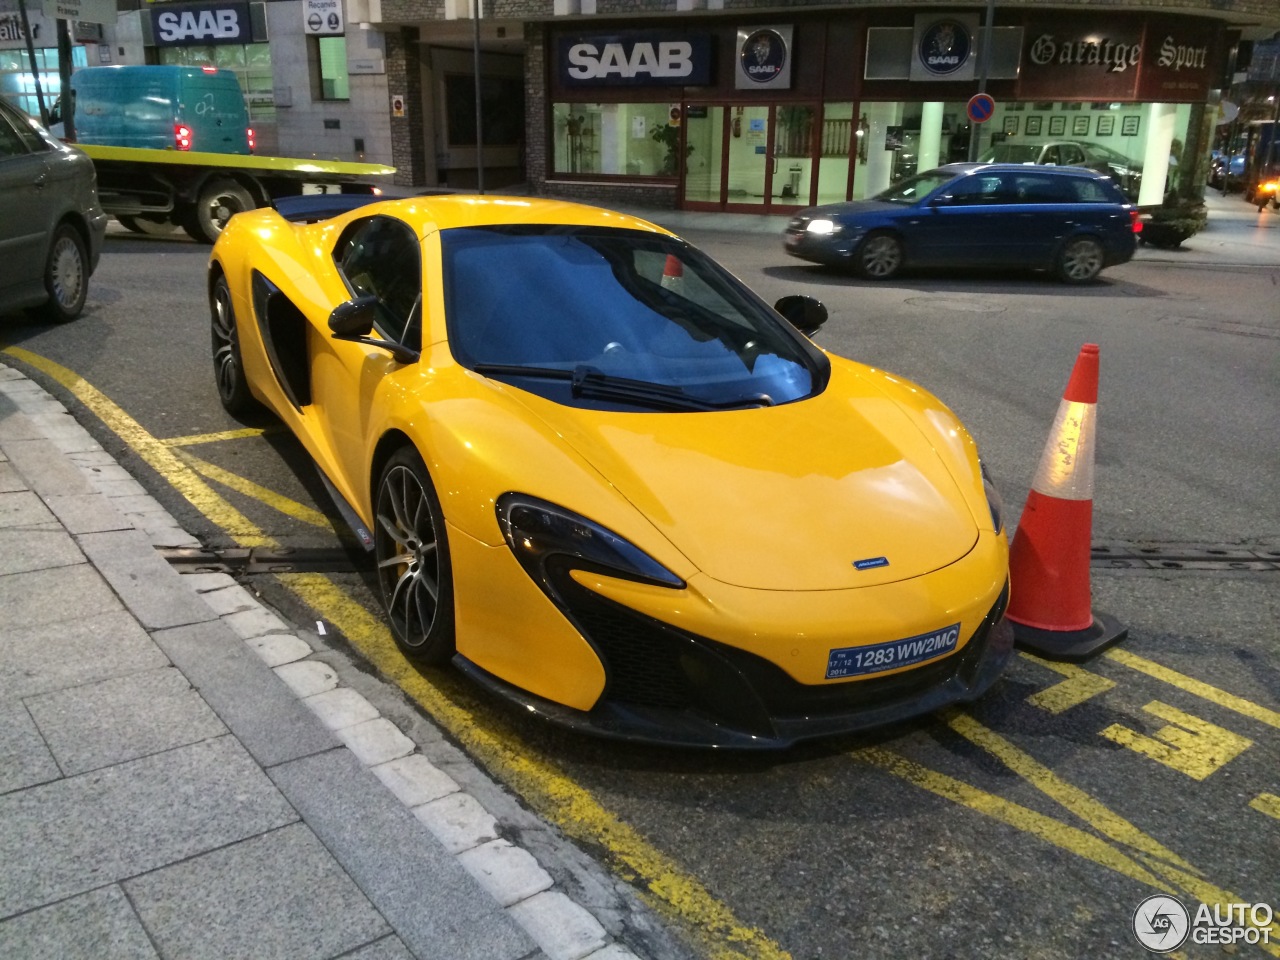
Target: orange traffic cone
column 1050, row 607
column 673, row 274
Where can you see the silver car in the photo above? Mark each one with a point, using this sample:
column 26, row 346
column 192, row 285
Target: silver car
column 51, row 226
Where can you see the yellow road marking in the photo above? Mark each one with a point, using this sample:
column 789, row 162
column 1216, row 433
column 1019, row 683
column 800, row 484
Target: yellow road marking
column 1186, row 743
column 1165, row 864
column 1048, row 829
column 573, row 809
column 1079, row 686
column 535, row 779
column 1267, row 803
column 233, row 481
column 158, row 456
column 1203, row 690
column 1084, row 806
column 556, row 797
column 1212, row 896
column 198, row 438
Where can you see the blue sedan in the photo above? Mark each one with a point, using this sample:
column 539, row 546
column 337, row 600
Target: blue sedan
column 1068, row 220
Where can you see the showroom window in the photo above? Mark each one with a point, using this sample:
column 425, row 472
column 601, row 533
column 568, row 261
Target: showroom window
column 627, row 139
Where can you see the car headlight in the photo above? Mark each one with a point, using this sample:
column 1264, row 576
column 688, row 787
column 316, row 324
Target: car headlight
column 542, row 534
column 994, row 502
column 821, row 227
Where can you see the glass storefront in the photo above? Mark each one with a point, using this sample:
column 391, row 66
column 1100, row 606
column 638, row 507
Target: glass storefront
column 831, row 128
column 775, row 156
column 17, row 83
column 626, row 139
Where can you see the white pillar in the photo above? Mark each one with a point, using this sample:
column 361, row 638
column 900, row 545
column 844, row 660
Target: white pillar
column 930, row 135
column 880, row 116
column 1159, row 121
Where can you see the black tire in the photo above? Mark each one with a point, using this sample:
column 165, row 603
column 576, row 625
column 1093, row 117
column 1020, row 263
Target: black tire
column 879, row 257
column 220, row 200
column 1080, row 260
column 228, row 366
column 66, row 275
column 129, row 223
column 412, row 551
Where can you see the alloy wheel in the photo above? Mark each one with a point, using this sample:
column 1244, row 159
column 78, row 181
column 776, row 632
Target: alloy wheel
column 226, row 345
column 1081, row 261
column 881, row 257
column 408, row 555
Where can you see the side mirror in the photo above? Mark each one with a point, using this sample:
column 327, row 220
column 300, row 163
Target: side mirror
column 804, row 313
column 942, row 200
column 353, row 320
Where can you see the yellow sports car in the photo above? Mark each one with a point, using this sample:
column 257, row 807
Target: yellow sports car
column 610, row 482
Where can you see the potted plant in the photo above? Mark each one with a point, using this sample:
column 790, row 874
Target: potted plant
column 1173, row 221
column 669, row 136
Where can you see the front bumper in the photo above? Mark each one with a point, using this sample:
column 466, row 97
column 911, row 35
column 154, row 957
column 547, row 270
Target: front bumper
column 671, row 687
column 832, row 249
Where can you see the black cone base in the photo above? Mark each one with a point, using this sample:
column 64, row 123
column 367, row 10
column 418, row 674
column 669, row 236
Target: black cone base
column 1070, row 645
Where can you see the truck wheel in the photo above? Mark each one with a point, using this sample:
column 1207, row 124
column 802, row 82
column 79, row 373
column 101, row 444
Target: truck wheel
column 66, row 276
column 219, row 201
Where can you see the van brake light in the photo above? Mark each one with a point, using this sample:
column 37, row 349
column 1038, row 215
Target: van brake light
column 252, row 139
column 182, row 136
column 1137, row 224
column 209, row 69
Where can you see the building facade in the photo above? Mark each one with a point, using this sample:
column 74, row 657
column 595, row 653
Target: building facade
column 697, row 104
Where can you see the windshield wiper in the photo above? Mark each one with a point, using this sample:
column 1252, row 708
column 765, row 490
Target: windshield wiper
column 586, row 381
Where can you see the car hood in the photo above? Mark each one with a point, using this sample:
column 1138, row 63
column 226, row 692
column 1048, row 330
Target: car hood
column 852, row 208
column 788, row 497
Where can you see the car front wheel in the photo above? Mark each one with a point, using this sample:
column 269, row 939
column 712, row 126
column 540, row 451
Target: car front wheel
column 66, row 275
column 228, row 367
column 879, row 256
column 413, row 560
column 1080, row 260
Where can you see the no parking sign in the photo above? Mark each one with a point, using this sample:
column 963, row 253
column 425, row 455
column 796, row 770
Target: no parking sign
column 980, row 107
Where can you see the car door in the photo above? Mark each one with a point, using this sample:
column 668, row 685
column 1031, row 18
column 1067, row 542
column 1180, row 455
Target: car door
column 28, row 206
column 379, row 256
column 956, row 223
column 1045, row 213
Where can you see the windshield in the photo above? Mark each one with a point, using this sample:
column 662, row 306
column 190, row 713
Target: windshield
column 592, row 317
column 1012, row 153
column 914, row 189
column 1098, row 152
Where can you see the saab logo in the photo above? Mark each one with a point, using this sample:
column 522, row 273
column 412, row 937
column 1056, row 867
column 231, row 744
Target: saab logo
column 206, row 24
column 764, row 55
column 671, row 58
column 634, row 58
column 944, row 47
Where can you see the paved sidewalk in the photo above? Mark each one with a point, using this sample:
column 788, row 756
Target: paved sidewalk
column 181, row 778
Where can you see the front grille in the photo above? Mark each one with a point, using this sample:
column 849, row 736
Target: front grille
column 651, row 664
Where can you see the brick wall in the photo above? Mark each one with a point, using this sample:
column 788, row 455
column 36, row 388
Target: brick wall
column 408, row 133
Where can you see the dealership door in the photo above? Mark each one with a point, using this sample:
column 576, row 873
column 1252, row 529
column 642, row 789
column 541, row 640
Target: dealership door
column 749, row 158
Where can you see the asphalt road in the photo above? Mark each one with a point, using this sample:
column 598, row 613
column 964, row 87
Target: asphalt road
column 1030, row 825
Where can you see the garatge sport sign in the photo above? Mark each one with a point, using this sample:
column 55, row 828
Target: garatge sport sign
column 634, row 58
column 176, row 25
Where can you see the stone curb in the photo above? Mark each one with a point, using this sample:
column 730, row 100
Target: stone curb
column 562, row 928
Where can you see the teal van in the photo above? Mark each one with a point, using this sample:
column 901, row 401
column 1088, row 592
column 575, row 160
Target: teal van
column 162, row 108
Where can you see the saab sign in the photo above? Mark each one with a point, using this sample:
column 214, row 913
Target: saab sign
column 189, row 24
column 634, row 60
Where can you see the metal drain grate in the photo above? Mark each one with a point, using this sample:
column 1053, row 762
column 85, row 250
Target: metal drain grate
column 1152, row 555
column 239, row 560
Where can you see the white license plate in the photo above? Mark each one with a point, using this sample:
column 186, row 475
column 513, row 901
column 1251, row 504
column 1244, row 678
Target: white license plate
column 907, row 652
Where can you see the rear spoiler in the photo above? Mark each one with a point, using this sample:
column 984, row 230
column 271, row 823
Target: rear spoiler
column 310, row 207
